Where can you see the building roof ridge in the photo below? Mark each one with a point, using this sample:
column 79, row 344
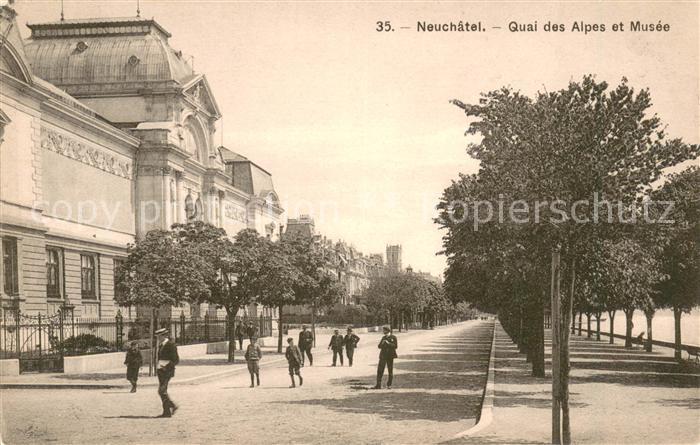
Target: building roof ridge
column 95, row 22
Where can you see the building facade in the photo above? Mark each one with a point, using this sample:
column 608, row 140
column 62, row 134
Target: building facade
column 353, row 269
column 106, row 133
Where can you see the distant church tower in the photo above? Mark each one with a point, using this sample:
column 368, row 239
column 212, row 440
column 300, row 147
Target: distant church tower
column 393, row 258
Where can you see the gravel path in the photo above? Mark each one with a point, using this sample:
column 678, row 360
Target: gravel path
column 439, row 378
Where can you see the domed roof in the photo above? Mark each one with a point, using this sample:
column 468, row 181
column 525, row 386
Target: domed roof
column 89, row 55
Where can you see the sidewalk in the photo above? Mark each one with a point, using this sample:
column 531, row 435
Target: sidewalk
column 617, row 395
column 190, row 371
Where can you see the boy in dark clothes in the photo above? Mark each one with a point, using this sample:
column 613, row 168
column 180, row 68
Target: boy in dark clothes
column 133, row 362
column 253, row 355
column 293, row 355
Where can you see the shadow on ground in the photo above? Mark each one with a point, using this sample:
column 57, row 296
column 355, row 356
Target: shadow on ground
column 402, row 405
column 442, row 381
column 591, row 362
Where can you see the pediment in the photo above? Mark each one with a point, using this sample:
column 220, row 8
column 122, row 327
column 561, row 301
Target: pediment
column 13, row 60
column 4, row 118
column 199, row 92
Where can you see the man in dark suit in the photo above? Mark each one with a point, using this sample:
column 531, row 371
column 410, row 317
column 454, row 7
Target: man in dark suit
column 306, row 342
column 387, row 345
column 167, row 360
column 240, row 334
column 336, row 344
column 350, row 341
column 251, row 330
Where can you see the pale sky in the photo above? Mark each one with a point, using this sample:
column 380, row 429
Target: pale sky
column 355, row 125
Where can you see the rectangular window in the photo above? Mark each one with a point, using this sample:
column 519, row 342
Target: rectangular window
column 117, row 266
column 10, row 274
column 54, row 277
column 87, row 277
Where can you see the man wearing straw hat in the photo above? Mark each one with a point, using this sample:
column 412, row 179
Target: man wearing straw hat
column 167, row 360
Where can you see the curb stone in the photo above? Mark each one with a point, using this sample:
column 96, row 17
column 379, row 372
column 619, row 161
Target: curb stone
column 486, row 414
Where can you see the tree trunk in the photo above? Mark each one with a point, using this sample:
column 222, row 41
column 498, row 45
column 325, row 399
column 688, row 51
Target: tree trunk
column 611, row 315
column 588, row 325
column 537, row 340
column 313, row 322
column 556, row 334
column 628, row 327
column 597, row 327
column 231, row 334
column 154, row 351
column 677, row 331
column 580, row 316
column 648, row 346
column 567, row 315
column 280, row 331
column 522, row 346
column 527, row 325
column 573, row 324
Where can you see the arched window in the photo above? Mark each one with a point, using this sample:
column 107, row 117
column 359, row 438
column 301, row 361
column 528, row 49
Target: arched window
column 194, row 140
column 191, row 145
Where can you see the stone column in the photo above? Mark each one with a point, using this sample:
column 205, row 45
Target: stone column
column 222, row 195
column 166, row 213
column 180, row 197
column 172, row 205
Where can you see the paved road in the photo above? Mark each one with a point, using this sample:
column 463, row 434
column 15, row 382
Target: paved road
column 439, row 377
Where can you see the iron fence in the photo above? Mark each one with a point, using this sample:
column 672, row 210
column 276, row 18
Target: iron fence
column 409, row 321
column 292, row 321
column 39, row 337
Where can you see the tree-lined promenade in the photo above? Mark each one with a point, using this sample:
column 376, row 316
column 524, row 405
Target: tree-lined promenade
column 568, row 148
column 438, row 382
column 199, row 263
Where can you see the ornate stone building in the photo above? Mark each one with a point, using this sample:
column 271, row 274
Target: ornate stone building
column 352, row 268
column 106, row 133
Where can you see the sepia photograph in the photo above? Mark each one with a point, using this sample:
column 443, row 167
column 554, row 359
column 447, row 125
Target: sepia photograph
column 349, row 222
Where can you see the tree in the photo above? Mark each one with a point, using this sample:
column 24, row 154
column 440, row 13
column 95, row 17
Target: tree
column 235, row 265
column 314, row 285
column 437, row 305
column 634, row 273
column 213, row 246
column 159, row 271
column 567, row 145
column 398, row 297
column 593, row 288
column 276, row 280
column 680, row 261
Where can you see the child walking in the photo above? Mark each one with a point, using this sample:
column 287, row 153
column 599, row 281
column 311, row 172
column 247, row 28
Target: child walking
column 293, row 355
column 133, row 362
column 252, row 356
